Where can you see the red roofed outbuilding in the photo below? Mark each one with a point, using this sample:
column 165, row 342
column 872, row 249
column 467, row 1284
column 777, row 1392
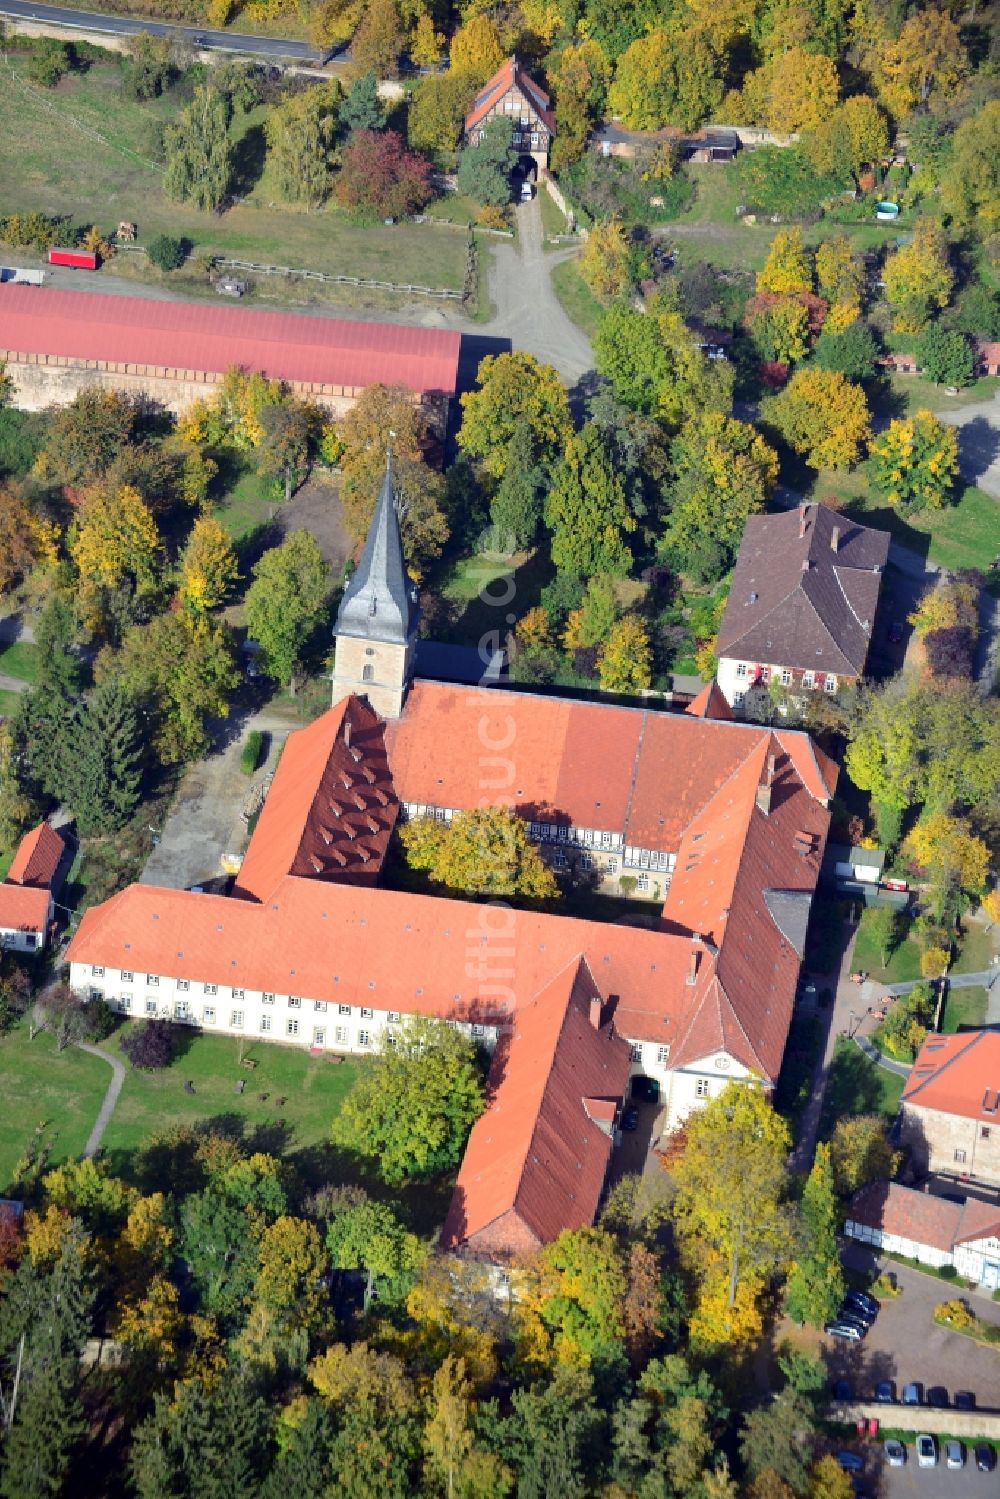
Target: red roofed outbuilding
column 26, row 905
column 950, row 1106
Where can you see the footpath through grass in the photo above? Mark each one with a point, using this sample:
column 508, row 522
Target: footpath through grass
column 48, row 1097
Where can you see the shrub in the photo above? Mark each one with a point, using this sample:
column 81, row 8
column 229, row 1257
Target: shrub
column 150, row 1046
column 101, row 1020
column 48, row 62
column 776, row 179
column 166, row 252
column 953, row 1313
column 380, row 178
column 250, row 758
column 886, row 1285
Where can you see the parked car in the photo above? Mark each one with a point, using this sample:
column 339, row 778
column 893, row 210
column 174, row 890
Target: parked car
column 965, row 1400
column 913, row 1394
column 885, row 1392
column 986, row 1458
column 842, row 1390
column 851, row 1462
column 927, row 1453
column 895, row 1453
column 851, row 1312
column 847, row 1330
column 864, row 1303
column 937, row 1396
column 527, row 192
column 630, row 1119
column 954, row 1455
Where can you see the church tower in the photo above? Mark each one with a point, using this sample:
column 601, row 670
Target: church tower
column 376, row 631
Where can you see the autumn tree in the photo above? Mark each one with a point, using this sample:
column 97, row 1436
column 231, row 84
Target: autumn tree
column 368, row 1236
column 300, row 131
column 949, row 856
column 655, row 367
column 484, row 851
column 731, row 1222
column 580, row 80
column 208, row 567
column 585, row 509
column 667, row 78
column 84, row 438
column 927, row 57
column 453, row 1464
column 378, row 41
column 850, row 137
column 485, row 166
column 788, row 267
column 796, row 90
column 575, row 1290
column 918, row 277
column 475, row 49
column 839, row 273
column 822, row 416
column 437, row 113
column 285, row 602
column 116, row 547
column 860, row 1152
column 412, row 1108
column 379, row 178
column 828, row 1480
column 198, row 152
column 283, row 454
column 624, row 661
column 970, row 189
column 516, row 507
column 914, row 462
column 724, row 471
column 604, row 260
column 25, row 538
column 513, row 388
column 291, row 1269
column 779, row 1438
column 815, row 1286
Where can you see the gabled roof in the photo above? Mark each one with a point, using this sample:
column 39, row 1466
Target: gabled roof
column 379, row 601
column 538, row 1153
column 200, row 336
column 979, row 1220
column 710, row 703
column 23, row 908
column 37, row 857
column 330, row 809
column 510, row 75
column 957, row 1074
column 805, row 591
column 908, row 1214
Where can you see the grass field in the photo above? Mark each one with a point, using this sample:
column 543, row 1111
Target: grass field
column 45, row 133
column 923, row 395
column 19, row 660
column 47, row 1095
column 488, row 589
column 976, row 951
column 247, row 504
column 578, row 301
column 964, row 1009
column 904, row 961
column 8, row 702
column 857, row 1086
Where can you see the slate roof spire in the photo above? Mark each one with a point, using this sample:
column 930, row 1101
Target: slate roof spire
column 379, row 601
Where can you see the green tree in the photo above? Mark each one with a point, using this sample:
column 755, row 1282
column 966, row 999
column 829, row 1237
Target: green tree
column 198, row 153
column 580, row 81
column 880, row 924
column 437, row 113
column 378, row 41
column 731, row 1221
column 485, row 165
column 285, row 602
column 208, row 1438
column 668, row 78
column 208, row 567
column 221, row 1250
column 292, row 1267
column 860, row 1153
column 368, row 1236
column 946, row 358
column 852, row 136
column 579, row 1296
column 853, row 352
column 585, row 509
column 816, row 1284
column 914, row 462
column 624, row 662
column 362, row 107
column 513, row 388
column 166, row 252
column 655, row 367
column 412, row 1109
column 780, row 1438
column 549, row 1437
column 84, row 438
column 300, row 131
column 102, row 762
column 49, row 61
column 516, row 507
column 55, row 636
column 724, row 471
column 485, row 851
column 283, row 454
column 970, row 189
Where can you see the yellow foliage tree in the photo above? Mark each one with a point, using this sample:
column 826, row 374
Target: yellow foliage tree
column 25, row 539
column 485, row 851
column 534, row 630
column 948, row 852
column 927, row 57
column 918, row 277
column 476, row 49
column 45, row 1234
column 787, row 268
column 625, row 661
column 823, row 416
column 797, row 90
column 944, row 606
column 114, row 541
column 208, row 567
column 914, row 462
column 991, row 905
column 838, row 271
column 153, row 1324
column 603, row 261
column 514, row 388
column 425, row 43
column 934, row 962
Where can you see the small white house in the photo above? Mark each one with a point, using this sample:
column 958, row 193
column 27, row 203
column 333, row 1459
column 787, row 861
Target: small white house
column 26, row 905
column 931, row 1230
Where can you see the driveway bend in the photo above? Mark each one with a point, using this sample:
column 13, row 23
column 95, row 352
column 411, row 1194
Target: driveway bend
column 527, row 310
column 107, row 1108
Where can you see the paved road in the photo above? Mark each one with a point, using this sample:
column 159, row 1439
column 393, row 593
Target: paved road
column 107, row 1108
column 527, row 310
column 978, row 443
column 227, row 41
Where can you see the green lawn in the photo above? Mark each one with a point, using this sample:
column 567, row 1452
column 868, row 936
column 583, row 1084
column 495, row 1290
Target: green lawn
column 48, row 1096
column 857, row 1086
column 904, row 961
column 8, row 702
column 247, row 504
column 44, row 134
column 964, row 1009
column 923, row 395
column 455, row 207
column 553, row 218
column 19, row 660
column 976, row 950
column 966, row 534
column 479, row 586
column 303, row 1091
column 578, row 301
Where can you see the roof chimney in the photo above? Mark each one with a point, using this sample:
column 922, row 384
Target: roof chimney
column 347, row 731
column 805, row 564
column 803, row 516
column 596, row 1011
column 764, row 798
column 692, row 973
column 835, row 539
column 771, row 764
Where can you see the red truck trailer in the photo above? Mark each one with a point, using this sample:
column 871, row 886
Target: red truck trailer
column 83, row 260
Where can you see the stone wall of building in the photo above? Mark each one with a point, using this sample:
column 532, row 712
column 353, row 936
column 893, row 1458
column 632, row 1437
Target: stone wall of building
column 951, row 1143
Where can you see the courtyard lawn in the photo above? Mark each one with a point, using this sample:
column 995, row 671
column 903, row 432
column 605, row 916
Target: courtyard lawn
column 250, row 502
column 288, row 1091
column 923, row 395
column 8, row 702
column 976, row 949
column 43, row 132
column 857, row 1086
column 966, row 534
column 904, row 961
column 488, row 589
column 964, row 1009
column 19, row 660
column 578, row 301
column 50, row 1098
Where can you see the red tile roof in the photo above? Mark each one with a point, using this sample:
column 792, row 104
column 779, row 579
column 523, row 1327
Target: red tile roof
column 23, row 908
column 199, row 336
column 957, row 1074
column 710, row 703
column 331, row 808
column 37, row 857
column 536, row 1159
column 980, row 1220
column 908, row 1214
column 510, row 75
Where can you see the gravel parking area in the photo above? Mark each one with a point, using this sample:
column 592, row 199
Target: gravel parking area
column 937, row 1483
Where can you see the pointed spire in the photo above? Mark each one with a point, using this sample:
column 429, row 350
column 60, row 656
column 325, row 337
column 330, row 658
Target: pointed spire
column 379, row 600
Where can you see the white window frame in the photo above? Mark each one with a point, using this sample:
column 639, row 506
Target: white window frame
column 807, row 679
column 294, row 1002
column 183, row 986
column 741, row 668
column 236, row 1019
column 127, row 976
column 150, row 1006
column 319, row 1035
column 342, row 1036
column 701, row 1087
column 830, row 683
column 367, row 1014
column 265, row 1024
column 364, row 1038
column 180, row 1009
column 153, row 980
column 208, row 1015
column 124, row 1003
column 291, row 1027
column 210, row 988
column 267, row 999
column 343, row 1009
column 97, row 971
column 637, row 1051
column 786, row 676
column 320, row 1004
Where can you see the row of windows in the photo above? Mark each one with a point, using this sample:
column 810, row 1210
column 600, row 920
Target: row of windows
column 551, row 832
column 182, row 1011
column 183, row 986
column 810, row 679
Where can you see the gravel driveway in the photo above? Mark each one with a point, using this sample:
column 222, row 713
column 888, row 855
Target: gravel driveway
column 978, row 443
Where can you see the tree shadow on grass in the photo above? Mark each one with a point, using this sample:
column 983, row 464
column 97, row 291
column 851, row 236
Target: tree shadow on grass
column 852, row 1088
column 249, row 153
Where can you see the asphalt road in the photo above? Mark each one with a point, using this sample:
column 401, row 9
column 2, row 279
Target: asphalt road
column 226, row 41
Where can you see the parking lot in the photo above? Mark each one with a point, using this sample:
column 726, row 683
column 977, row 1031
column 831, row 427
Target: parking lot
column 936, row 1483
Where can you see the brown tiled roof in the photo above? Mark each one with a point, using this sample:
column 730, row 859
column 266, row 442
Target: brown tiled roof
column 37, row 857
column 536, row 1159
column 509, row 76
column 980, row 1220
column 797, row 602
column 957, row 1074
column 23, row 908
column 331, row 807
column 710, row 703
column 911, row 1215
